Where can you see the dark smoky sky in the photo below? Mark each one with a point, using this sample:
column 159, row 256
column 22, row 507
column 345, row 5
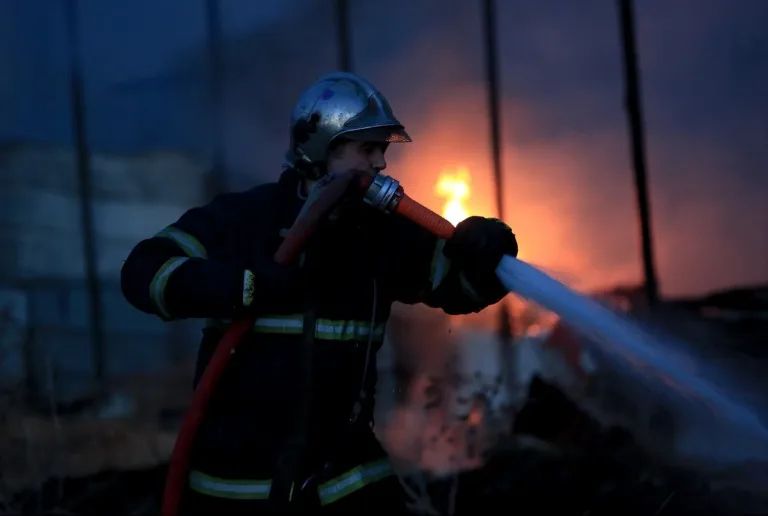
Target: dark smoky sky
column 568, row 178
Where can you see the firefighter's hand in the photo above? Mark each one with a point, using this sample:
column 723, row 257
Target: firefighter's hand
column 329, row 192
column 477, row 246
column 324, row 197
column 268, row 283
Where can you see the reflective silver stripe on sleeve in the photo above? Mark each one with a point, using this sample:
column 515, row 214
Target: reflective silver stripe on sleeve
column 160, row 281
column 186, row 242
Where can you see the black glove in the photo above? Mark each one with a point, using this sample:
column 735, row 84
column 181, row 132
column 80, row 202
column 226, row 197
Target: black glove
column 274, row 285
column 476, row 248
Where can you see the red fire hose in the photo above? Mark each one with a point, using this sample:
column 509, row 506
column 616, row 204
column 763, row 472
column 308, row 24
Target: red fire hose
column 381, row 192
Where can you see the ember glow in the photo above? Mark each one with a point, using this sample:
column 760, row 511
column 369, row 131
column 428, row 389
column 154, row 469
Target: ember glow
column 453, row 186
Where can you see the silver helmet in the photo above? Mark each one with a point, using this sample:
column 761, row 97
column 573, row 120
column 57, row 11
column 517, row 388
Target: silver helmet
column 338, row 104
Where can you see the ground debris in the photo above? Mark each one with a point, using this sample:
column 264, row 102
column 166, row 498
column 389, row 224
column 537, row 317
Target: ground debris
column 561, row 461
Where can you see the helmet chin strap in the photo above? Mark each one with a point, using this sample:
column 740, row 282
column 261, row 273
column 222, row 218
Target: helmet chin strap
column 308, row 172
column 306, row 168
column 316, row 171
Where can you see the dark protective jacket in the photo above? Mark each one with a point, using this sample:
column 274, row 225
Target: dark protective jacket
column 351, row 272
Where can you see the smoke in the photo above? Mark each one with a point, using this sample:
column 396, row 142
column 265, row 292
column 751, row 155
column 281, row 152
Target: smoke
column 442, row 401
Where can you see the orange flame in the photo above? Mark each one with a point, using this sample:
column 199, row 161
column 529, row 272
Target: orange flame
column 453, row 186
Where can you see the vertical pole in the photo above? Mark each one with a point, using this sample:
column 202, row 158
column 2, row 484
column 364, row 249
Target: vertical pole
column 635, row 119
column 86, row 195
column 492, row 82
column 491, row 68
column 342, row 29
column 217, row 176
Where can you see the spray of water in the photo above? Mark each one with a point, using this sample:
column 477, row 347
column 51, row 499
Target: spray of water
column 627, row 340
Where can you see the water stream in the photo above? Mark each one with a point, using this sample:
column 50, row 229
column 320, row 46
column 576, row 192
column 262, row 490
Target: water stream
column 646, row 354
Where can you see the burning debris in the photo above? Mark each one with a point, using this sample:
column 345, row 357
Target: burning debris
column 559, row 459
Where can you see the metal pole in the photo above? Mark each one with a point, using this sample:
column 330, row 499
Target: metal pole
column 635, row 119
column 342, row 28
column 218, row 174
column 491, row 68
column 86, row 196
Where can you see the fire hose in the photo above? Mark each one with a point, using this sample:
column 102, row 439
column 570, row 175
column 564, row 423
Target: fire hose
column 381, row 192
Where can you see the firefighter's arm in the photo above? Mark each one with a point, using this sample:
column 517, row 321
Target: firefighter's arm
column 458, row 274
column 189, row 269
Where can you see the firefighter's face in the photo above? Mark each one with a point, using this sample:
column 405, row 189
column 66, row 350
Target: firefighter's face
column 357, row 155
column 361, row 156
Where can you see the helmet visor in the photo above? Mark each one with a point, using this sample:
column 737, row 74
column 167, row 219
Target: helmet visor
column 387, row 133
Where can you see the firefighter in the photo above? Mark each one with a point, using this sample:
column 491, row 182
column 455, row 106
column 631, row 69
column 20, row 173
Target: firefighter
column 286, row 431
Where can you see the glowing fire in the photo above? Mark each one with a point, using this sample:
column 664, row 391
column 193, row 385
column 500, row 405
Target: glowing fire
column 453, row 186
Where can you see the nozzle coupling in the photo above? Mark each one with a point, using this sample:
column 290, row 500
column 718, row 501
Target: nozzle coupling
column 384, row 193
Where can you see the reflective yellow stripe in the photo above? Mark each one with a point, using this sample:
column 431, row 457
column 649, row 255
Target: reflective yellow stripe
column 290, row 324
column 325, row 329
column 160, row 280
column 228, row 488
column 440, row 265
column 186, row 242
column 346, row 330
column 353, row 480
